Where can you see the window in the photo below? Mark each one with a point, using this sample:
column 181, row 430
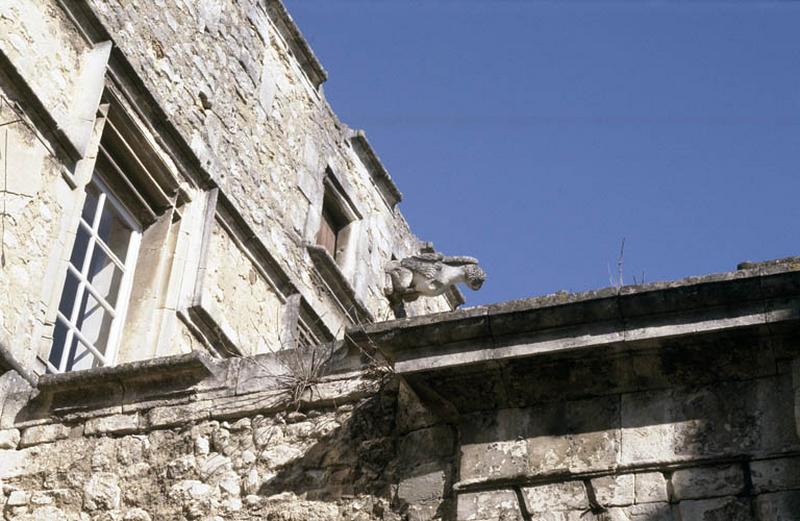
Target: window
column 335, row 252
column 336, row 221
column 99, row 275
column 330, row 228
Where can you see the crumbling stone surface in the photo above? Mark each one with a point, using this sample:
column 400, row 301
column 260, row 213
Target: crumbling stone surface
column 342, row 462
column 614, row 491
column 650, row 487
column 498, row 505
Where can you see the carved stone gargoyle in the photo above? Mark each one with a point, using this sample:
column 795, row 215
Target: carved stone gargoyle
column 428, row 274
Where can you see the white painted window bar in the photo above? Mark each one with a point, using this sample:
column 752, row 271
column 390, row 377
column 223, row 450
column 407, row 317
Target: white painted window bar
column 99, row 276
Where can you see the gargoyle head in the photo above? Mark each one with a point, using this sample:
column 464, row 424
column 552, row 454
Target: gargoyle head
column 474, row 276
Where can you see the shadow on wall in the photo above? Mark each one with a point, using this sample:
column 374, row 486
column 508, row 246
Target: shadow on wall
column 716, row 395
column 371, row 452
column 670, row 432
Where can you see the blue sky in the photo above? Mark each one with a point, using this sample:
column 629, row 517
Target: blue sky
column 535, row 135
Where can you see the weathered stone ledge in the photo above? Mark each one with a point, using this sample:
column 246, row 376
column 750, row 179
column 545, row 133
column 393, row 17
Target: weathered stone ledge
column 339, row 286
column 170, row 391
column 195, row 363
column 391, row 194
column 322, row 396
column 294, row 37
column 764, row 295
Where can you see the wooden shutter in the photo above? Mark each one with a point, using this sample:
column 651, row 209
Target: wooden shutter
column 326, row 237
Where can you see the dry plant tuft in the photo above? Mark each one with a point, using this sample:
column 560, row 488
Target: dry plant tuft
column 299, row 368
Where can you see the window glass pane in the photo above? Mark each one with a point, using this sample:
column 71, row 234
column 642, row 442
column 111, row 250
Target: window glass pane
column 80, row 357
column 114, row 232
column 90, row 206
column 94, row 322
column 79, row 248
column 68, row 295
column 59, row 337
column 105, row 276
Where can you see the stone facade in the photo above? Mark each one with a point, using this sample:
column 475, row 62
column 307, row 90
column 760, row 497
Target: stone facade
column 247, row 370
column 587, row 406
column 225, row 151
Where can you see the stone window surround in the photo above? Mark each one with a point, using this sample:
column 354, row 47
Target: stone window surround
column 200, row 314
column 339, row 205
column 380, row 177
column 152, row 186
column 156, row 139
column 142, row 181
column 337, row 273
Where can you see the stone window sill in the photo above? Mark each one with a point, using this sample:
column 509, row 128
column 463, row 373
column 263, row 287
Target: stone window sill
column 194, row 365
column 338, row 285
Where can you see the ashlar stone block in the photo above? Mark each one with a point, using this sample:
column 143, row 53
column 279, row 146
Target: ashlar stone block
column 426, row 446
column 650, row 487
column 614, row 491
column 717, row 509
column 117, row 424
column 555, row 497
column 651, row 512
column 496, row 459
column 775, row 474
column 672, row 425
column 9, row 439
column 18, row 498
column 778, row 506
column 707, row 482
column 175, row 415
column 43, row 434
column 423, row 487
column 495, row 505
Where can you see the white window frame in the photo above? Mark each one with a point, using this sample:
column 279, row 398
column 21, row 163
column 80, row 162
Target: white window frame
column 127, row 266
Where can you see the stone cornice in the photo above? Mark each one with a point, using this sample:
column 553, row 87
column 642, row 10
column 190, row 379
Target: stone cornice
column 380, row 176
column 291, row 33
column 763, row 294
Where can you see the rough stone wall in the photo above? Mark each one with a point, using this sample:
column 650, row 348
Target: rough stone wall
column 231, row 87
column 34, row 198
column 227, row 80
column 355, row 448
column 697, row 431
